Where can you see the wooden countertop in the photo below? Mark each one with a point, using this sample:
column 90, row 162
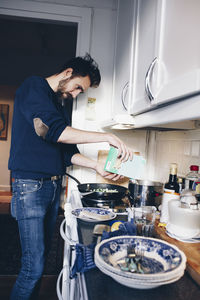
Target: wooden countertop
column 191, row 250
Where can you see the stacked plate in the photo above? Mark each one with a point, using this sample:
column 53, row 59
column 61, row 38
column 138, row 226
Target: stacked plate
column 140, row 262
column 93, row 214
column 184, row 235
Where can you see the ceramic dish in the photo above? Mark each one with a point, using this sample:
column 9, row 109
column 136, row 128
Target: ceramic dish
column 184, row 233
column 138, row 284
column 162, row 260
column 195, row 239
column 142, row 279
column 93, row 214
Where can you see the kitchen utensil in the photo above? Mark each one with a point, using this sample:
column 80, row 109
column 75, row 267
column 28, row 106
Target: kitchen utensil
column 145, row 192
column 102, row 191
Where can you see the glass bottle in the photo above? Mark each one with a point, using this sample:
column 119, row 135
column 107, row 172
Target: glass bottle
column 192, row 177
column 171, row 192
column 172, row 183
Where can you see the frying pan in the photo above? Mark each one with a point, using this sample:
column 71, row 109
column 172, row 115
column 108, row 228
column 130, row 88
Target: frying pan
column 92, row 190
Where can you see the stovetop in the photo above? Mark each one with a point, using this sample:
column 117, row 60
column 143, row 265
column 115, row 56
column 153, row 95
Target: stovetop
column 118, row 205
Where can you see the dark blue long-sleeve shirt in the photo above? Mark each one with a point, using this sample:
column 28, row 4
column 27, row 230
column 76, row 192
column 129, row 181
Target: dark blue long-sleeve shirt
column 38, row 121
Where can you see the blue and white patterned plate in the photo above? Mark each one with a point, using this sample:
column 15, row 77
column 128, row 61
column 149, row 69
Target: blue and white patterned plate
column 163, row 260
column 137, row 283
column 93, row 214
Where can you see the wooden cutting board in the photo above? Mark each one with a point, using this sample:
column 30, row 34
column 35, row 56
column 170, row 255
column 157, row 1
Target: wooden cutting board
column 191, row 250
column 102, row 155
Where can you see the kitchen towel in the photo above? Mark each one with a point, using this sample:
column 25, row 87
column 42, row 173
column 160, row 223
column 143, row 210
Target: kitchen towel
column 84, row 260
column 126, row 228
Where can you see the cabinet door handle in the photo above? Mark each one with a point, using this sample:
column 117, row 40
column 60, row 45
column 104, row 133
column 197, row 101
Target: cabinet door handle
column 123, row 95
column 148, row 78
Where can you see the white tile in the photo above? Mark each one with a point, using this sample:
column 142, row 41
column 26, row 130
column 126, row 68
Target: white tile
column 186, row 147
column 195, row 148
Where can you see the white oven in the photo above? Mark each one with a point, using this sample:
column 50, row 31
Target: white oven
column 70, row 289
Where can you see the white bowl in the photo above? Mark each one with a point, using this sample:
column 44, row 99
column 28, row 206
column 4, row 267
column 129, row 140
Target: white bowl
column 165, row 261
column 138, row 284
column 182, row 232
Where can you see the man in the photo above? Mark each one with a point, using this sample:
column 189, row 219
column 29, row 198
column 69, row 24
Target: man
column 43, row 145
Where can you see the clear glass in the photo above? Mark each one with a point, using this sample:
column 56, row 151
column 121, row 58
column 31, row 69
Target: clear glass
column 144, row 219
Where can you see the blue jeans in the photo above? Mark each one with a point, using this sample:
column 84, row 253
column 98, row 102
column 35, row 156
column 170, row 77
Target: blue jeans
column 35, row 206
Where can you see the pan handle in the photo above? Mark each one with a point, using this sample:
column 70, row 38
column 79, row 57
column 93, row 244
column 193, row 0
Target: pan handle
column 72, row 177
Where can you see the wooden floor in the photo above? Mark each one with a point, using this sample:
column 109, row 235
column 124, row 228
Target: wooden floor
column 48, row 283
column 47, row 291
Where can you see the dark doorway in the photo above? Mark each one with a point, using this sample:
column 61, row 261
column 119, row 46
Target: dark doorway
column 34, row 47
column 31, row 47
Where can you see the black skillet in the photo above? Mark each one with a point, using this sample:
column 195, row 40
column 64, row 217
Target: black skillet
column 93, row 190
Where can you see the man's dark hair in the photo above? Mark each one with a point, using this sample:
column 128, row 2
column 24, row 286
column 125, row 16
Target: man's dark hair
column 83, row 66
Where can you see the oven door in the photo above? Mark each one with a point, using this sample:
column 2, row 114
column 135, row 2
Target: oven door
column 70, row 289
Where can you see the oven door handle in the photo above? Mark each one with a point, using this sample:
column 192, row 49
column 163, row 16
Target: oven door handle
column 65, row 233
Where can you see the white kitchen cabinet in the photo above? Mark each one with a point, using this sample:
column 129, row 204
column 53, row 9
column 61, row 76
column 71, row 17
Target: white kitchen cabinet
column 177, row 49
column 144, row 46
column 123, row 56
column 157, row 54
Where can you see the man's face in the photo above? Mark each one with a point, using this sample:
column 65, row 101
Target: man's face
column 71, row 87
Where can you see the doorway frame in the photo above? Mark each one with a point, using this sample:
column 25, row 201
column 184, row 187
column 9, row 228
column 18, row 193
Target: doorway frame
column 53, row 12
column 63, row 13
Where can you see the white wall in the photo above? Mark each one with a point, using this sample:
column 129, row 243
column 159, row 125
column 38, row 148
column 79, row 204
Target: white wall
column 181, row 147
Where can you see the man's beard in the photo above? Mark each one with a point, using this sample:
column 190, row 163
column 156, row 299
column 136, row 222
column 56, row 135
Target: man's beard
column 61, row 94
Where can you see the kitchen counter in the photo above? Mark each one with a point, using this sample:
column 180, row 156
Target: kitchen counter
column 191, row 250
column 101, row 286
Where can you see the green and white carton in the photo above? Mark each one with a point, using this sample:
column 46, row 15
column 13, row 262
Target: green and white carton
column 134, row 169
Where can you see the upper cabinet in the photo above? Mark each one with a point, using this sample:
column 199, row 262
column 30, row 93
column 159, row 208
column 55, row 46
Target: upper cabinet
column 177, row 49
column 157, row 59
column 123, row 55
column 144, row 53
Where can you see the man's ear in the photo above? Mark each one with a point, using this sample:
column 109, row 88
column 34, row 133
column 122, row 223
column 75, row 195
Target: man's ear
column 67, row 73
